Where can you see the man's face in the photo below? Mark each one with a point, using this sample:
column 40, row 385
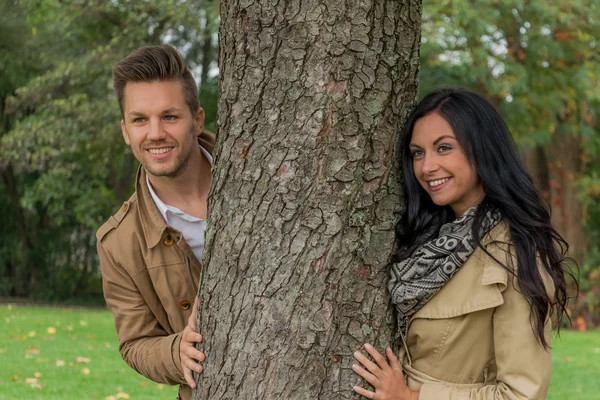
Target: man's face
column 159, row 126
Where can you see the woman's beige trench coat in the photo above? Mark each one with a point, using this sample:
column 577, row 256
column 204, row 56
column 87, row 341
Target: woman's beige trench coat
column 473, row 339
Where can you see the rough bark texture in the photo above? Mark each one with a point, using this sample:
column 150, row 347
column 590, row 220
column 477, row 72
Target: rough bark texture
column 304, row 197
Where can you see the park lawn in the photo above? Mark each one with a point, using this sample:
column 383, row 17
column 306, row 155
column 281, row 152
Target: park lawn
column 575, row 366
column 62, row 353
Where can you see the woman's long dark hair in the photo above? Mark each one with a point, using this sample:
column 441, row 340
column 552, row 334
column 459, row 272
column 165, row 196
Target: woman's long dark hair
column 490, row 148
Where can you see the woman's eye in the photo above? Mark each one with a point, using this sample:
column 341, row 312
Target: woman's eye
column 416, row 153
column 444, row 148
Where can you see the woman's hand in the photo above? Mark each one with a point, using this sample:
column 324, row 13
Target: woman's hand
column 387, row 379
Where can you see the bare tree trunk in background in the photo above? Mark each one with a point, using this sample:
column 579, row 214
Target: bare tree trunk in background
column 207, row 52
column 304, row 198
column 567, row 209
column 536, row 163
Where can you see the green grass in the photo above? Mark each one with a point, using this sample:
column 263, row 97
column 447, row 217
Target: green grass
column 84, row 339
column 86, row 342
column 575, row 366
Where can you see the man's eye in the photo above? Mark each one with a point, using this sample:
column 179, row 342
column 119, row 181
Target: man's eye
column 170, row 117
column 138, row 120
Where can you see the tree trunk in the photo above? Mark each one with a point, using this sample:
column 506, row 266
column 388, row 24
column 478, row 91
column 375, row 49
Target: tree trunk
column 536, row 163
column 304, row 196
column 207, row 51
column 567, row 209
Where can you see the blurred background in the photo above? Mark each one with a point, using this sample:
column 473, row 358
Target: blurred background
column 65, row 169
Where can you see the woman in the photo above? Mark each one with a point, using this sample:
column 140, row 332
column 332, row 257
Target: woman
column 478, row 269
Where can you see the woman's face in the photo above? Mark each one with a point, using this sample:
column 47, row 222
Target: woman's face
column 441, row 166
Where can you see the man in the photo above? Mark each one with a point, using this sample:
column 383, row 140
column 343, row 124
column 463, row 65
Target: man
column 150, row 250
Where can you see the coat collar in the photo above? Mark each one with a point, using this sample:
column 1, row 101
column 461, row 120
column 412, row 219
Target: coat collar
column 477, row 285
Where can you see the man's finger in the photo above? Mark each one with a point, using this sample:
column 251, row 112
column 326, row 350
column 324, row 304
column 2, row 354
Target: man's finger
column 189, row 378
column 190, row 364
column 190, row 338
column 192, row 318
column 194, row 354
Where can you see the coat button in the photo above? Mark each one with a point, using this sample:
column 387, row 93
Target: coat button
column 168, row 240
column 184, row 305
column 124, row 207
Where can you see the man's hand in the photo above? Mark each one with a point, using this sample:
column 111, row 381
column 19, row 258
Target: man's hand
column 190, row 355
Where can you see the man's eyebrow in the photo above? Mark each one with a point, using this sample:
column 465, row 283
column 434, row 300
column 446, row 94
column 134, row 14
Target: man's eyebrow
column 170, row 110
column 136, row 114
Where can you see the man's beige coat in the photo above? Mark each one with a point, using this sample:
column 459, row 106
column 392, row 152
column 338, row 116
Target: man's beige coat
column 150, row 278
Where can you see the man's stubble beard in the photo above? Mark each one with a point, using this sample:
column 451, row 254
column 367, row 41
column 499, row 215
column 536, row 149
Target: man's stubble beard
column 180, row 163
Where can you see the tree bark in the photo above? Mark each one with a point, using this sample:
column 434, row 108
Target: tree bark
column 536, row 163
column 567, row 208
column 304, row 196
column 207, row 51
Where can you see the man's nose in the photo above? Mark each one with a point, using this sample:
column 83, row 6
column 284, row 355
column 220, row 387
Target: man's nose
column 156, row 130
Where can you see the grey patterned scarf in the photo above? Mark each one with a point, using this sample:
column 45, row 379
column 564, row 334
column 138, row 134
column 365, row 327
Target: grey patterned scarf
column 416, row 279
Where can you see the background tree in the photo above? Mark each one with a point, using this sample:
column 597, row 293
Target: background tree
column 63, row 164
column 301, row 209
column 538, row 63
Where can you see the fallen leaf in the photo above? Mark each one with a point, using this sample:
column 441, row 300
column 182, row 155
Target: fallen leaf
column 122, row 395
column 85, row 371
column 60, row 363
column 37, row 374
column 83, row 323
column 30, row 380
column 70, row 328
column 160, row 386
column 31, row 351
column 51, row 330
column 107, row 345
column 89, row 336
column 2, row 351
column 144, row 384
column 110, row 398
column 31, row 333
column 568, row 358
column 14, row 378
column 83, row 360
column 42, row 360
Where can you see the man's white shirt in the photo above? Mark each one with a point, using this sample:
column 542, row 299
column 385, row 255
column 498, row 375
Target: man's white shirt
column 191, row 227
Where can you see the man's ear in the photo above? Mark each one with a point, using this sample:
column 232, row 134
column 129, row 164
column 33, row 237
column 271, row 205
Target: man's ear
column 199, row 121
column 125, row 134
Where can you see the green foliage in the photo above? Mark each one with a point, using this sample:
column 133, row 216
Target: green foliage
column 538, row 63
column 64, row 165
